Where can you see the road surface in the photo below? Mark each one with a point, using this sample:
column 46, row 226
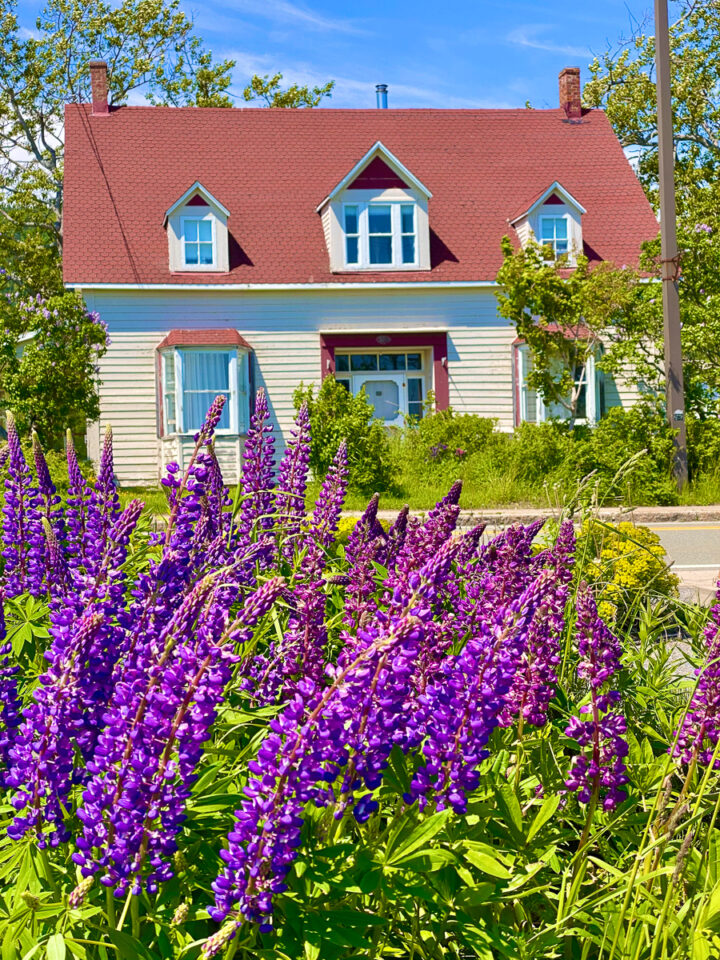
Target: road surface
column 694, row 549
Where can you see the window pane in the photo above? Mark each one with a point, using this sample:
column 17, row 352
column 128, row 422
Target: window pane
column 206, row 370
column 206, row 252
column 351, row 220
column 415, row 410
column 342, row 364
column 191, row 229
column 561, row 228
column 561, row 246
column 408, row 249
column 196, row 405
column 170, row 414
column 379, row 219
column 345, row 383
column 191, row 253
column 392, row 361
column 581, row 408
column 415, row 390
column 363, row 361
column 407, row 218
column 169, row 370
column 380, row 249
column 414, row 361
column 351, row 249
column 547, row 229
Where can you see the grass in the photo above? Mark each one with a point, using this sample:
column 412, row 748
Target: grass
column 484, row 489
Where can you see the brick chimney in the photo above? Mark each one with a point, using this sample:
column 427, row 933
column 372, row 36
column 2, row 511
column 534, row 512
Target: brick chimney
column 99, row 87
column 570, row 93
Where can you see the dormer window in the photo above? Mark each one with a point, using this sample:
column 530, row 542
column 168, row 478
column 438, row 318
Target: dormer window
column 198, row 241
column 197, row 232
column 554, row 233
column 554, row 219
column 376, row 218
column 380, row 235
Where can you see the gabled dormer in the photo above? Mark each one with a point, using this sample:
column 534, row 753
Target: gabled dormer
column 553, row 220
column 197, row 232
column 376, row 217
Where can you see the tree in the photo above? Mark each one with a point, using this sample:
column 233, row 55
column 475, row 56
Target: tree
column 623, row 83
column 267, row 90
column 567, row 316
column 49, row 351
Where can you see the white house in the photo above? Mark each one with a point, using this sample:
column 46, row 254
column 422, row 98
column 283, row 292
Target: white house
column 233, row 249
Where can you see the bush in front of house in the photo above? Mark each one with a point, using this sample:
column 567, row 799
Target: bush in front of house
column 337, row 415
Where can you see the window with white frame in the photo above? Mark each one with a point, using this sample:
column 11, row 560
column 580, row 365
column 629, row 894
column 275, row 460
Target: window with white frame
column 191, row 379
column 380, row 235
column 393, row 382
column 198, row 242
column 589, row 387
column 554, row 234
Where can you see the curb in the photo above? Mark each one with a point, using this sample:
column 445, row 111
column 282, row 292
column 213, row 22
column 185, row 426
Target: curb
column 504, row 517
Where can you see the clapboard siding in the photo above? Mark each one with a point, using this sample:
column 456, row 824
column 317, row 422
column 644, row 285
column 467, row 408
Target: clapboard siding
column 283, row 329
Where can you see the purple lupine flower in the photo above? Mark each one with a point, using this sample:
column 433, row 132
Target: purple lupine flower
column 535, row 680
column 396, row 537
column 329, row 504
column 77, row 500
column 132, row 839
column 301, row 650
column 257, row 474
column 598, row 772
column 10, row 703
column 700, row 731
column 292, row 483
column 23, row 537
column 73, row 693
column 46, row 488
column 365, row 548
column 103, row 508
column 308, row 744
column 423, row 540
column 457, row 713
column 41, row 762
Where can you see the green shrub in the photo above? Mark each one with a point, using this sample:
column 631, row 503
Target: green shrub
column 448, row 435
column 703, row 441
column 630, row 451
column 335, row 415
column 540, row 450
column 629, row 565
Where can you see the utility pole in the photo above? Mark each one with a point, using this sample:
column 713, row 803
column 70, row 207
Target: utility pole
column 675, row 393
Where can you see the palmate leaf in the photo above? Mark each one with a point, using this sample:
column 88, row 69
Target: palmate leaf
column 409, row 842
column 55, row 947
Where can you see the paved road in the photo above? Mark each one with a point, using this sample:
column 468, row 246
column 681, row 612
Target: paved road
column 694, row 549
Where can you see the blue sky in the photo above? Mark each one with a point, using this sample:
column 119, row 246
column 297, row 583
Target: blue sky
column 486, row 53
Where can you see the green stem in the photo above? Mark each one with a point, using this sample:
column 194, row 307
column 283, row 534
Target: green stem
column 135, row 916
column 47, row 871
column 121, row 921
column 110, row 907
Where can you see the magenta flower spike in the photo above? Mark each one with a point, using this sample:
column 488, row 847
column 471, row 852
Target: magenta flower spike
column 598, row 771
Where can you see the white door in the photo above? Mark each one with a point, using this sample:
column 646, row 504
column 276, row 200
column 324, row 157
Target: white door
column 387, row 393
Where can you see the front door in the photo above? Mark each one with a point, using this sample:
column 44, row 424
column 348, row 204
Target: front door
column 387, row 393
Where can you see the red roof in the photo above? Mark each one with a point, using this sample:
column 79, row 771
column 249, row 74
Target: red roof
column 272, row 167
column 215, row 337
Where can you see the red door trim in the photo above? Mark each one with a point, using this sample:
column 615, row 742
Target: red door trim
column 329, row 342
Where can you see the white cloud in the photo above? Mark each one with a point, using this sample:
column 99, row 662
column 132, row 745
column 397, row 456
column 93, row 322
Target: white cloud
column 350, row 91
column 285, row 12
column 530, row 35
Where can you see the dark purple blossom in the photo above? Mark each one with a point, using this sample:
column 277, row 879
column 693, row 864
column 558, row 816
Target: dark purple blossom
column 699, row 734
column 598, row 772
column 23, row 536
column 256, row 483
